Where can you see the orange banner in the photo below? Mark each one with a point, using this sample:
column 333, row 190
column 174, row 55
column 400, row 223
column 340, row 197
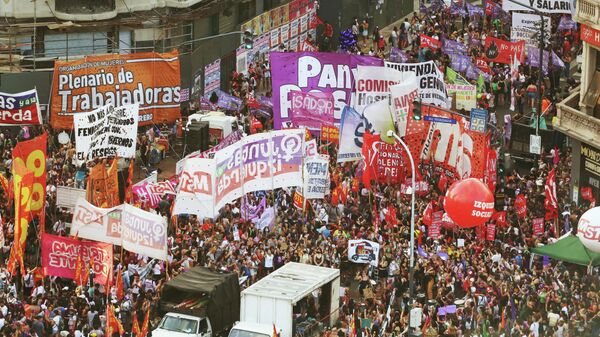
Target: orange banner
column 4, row 183
column 298, row 200
column 151, row 80
column 103, row 186
column 23, row 182
column 31, row 156
column 330, row 133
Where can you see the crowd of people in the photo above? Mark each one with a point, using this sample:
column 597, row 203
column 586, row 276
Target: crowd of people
column 497, row 287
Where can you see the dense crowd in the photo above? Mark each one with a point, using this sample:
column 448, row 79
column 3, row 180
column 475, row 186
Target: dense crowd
column 497, row 287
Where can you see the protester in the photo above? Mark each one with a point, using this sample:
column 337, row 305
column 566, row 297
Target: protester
column 466, row 285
